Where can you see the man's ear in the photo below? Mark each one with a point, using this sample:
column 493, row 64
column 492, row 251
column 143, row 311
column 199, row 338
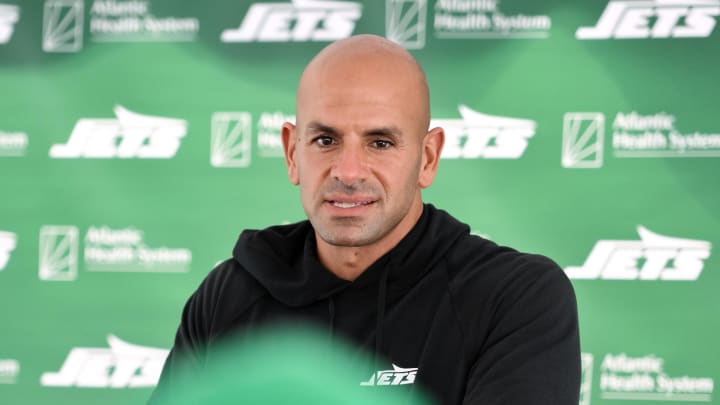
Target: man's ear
column 289, row 141
column 432, row 148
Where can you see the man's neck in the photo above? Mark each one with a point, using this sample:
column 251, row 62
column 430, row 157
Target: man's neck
column 348, row 263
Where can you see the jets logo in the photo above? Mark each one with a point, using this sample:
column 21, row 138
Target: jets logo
column 301, row 20
column 654, row 257
column 122, row 365
column 396, row 376
column 654, row 19
column 479, row 135
column 131, row 135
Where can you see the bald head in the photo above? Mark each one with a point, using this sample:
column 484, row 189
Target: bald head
column 362, row 66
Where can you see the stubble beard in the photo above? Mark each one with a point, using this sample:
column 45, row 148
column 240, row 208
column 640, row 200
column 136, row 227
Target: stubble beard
column 350, row 231
column 353, row 231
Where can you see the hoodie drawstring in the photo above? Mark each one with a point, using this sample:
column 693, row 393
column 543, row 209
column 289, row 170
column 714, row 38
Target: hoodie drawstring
column 381, row 301
column 331, row 313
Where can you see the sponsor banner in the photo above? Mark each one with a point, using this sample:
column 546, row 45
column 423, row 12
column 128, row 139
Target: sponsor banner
column 396, row 376
column 653, row 19
column 9, row 15
column 406, row 21
column 110, row 21
column 477, row 135
column 653, row 257
column 122, row 365
column 655, row 135
column 296, row 21
column 130, row 135
column 269, row 133
column 13, row 144
column 644, row 378
column 58, row 252
column 633, row 135
column 133, row 21
column 63, row 25
column 108, row 249
column 230, row 139
column 583, row 140
column 8, row 242
column 231, row 136
column 105, row 250
column 9, row 371
column 586, row 361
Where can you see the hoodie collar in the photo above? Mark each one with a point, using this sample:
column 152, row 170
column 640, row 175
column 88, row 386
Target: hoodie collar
column 284, row 258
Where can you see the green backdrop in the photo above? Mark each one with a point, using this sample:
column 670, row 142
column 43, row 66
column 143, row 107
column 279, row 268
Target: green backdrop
column 138, row 138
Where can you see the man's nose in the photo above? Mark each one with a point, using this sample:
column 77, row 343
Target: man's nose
column 351, row 166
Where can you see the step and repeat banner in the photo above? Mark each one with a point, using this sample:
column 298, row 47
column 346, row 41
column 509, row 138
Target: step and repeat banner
column 138, row 138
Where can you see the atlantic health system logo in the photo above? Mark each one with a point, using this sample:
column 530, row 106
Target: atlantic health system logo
column 477, row 135
column 653, row 257
column 406, row 21
column 8, row 242
column 583, row 140
column 639, row 19
column 9, row 371
column 9, row 15
column 63, row 26
column 13, row 144
column 122, row 365
column 134, row 21
column 105, row 249
column 644, row 378
column 231, row 139
column 586, row 361
column 298, row 21
column 633, row 135
column 58, row 259
column 140, row 136
column 110, row 21
column 231, row 135
column 641, row 378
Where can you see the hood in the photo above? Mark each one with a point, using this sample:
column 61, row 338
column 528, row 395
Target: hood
column 284, row 260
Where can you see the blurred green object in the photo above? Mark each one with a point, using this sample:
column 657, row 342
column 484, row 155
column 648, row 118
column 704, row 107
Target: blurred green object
column 286, row 366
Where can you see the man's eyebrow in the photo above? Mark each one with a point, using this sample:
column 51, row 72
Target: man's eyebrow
column 315, row 126
column 318, row 127
column 392, row 131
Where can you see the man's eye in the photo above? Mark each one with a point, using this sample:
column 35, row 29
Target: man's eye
column 323, row 140
column 382, row 144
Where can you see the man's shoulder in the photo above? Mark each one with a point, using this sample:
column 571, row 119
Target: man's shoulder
column 228, row 285
column 229, row 273
column 228, row 270
column 479, row 263
column 490, row 284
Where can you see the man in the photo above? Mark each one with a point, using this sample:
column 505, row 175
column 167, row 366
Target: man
column 468, row 321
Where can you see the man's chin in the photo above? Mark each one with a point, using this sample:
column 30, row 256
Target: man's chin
column 346, row 239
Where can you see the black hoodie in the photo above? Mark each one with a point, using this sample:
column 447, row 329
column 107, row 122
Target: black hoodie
column 481, row 323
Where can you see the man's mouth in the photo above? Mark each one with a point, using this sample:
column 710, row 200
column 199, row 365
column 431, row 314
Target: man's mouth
column 350, row 204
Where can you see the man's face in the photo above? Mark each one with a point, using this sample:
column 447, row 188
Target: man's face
column 357, row 153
